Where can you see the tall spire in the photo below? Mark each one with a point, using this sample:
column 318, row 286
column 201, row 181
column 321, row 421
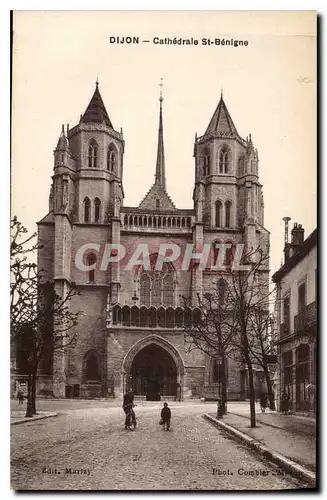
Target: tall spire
column 160, row 167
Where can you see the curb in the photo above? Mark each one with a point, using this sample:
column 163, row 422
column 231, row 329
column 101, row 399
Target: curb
column 285, row 463
column 32, row 419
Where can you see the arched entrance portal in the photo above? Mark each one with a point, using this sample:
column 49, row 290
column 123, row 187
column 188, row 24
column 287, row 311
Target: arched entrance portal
column 154, row 373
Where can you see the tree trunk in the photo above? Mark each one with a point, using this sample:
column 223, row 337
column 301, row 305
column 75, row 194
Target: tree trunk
column 34, row 375
column 251, row 381
column 252, row 393
column 248, row 361
column 270, row 391
column 224, row 386
column 29, row 408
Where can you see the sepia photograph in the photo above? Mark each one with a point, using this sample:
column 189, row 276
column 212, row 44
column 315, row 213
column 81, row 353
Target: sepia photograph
column 163, row 253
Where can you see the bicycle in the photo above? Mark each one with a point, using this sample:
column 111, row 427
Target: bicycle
column 130, row 419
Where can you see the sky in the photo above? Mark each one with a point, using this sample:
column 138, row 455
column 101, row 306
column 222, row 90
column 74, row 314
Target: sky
column 269, row 88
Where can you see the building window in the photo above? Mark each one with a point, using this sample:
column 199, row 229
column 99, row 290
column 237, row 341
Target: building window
column 228, row 207
column 157, row 287
column 97, row 206
column 157, row 204
column 301, row 297
column 111, row 158
column 224, row 161
column 145, row 289
column 229, row 254
column 87, row 209
column 93, row 155
column 92, row 371
column 302, row 377
column 287, row 359
column 222, row 287
column 206, row 163
column 286, row 315
column 91, row 261
column 168, row 289
column 218, row 214
column 217, row 372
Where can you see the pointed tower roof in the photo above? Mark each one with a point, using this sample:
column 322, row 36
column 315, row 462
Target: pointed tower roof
column 221, row 121
column 96, row 111
column 160, row 167
column 62, row 141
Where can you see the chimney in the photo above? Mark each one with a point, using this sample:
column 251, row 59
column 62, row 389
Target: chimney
column 287, row 246
column 297, row 234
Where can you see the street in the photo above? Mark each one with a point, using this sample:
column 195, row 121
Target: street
column 87, row 448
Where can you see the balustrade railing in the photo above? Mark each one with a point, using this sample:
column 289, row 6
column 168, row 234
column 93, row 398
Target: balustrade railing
column 152, row 317
column 306, row 318
column 156, row 222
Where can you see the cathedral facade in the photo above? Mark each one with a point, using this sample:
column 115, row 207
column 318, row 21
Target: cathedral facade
column 131, row 331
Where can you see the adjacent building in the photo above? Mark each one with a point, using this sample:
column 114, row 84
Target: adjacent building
column 296, row 313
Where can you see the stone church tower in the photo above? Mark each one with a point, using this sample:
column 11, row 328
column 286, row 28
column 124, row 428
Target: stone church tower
column 131, row 332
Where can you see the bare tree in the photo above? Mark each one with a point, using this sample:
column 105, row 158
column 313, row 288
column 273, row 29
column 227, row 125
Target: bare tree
column 248, row 291
column 41, row 318
column 261, row 345
column 208, row 332
column 225, row 328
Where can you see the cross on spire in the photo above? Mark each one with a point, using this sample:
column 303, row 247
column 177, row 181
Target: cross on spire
column 161, row 85
column 160, row 168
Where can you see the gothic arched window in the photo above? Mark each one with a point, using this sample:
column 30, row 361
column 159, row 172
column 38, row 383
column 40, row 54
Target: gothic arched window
column 111, row 158
column 218, row 214
column 145, row 289
column 168, row 289
column 224, row 161
column 229, row 254
column 217, row 372
column 91, row 261
column 228, row 207
column 93, row 154
column 87, row 209
column 206, row 162
column 92, row 370
column 157, row 287
column 97, row 206
column 221, row 287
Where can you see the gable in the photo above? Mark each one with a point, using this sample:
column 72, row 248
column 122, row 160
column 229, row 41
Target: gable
column 157, row 192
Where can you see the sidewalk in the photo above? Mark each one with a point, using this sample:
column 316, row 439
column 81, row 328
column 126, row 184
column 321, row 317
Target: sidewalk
column 294, row 424
column 288, row 435
column 18, row 417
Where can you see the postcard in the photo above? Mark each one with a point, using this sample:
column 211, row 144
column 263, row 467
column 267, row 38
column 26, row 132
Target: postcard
column 163, row 251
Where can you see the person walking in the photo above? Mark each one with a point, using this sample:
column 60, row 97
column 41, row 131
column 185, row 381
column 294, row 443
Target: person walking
column 263, row 402
column 165, row 417
column 20, row 396
column 128, row 404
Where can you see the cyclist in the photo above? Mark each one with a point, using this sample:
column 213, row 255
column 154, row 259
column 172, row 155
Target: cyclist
column 128, row 405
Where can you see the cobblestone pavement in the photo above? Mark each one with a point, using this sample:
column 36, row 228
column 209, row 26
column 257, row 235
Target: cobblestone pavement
column 94, row 440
